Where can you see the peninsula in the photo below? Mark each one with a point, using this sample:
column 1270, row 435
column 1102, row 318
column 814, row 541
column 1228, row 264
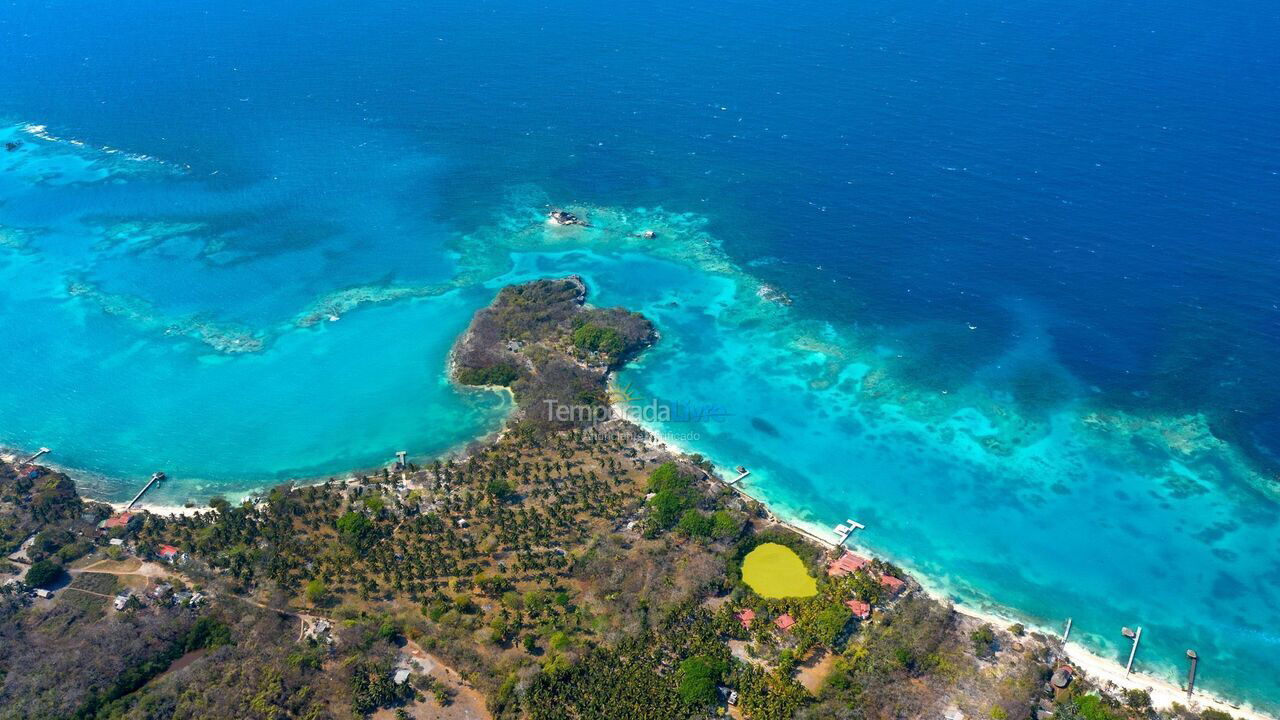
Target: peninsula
column 570, row 567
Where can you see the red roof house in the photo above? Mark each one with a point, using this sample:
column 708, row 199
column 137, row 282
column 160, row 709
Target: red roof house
column 784, row 621
column 745, row 617
column 168, row 552
column 846, row 564
column 892, row 583
column 121, row 520
column 861, row 610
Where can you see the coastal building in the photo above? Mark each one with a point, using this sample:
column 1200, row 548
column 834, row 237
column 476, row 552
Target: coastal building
column 117, row 521
column 848, row 563
column 168, row 553
column 861, row 610
column 746, row 617
column 784, row 622
column 892, row 584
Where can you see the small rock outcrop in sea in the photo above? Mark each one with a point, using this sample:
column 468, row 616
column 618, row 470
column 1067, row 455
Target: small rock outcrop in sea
column 564, row 217
column 770, row 293
column 552, row 350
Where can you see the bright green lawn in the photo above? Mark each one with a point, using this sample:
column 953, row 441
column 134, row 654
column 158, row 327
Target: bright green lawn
column 775, row 571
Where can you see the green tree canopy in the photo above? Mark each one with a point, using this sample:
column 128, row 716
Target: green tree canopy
column 695, row 524
column 597, row 338
column 43, row 573
column 356, row 530
column 698, row 677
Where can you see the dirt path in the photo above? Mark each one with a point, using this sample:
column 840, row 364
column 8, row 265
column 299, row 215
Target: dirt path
column 467, row 702
column 130, row 567
column 88, row 592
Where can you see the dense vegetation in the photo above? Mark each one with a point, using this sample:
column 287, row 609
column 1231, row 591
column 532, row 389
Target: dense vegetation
column 565, row 572
column 541, row 340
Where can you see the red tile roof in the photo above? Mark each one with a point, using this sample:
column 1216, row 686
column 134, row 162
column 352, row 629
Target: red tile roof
column 168, row 551
column 892, row 582
column 784, row 621
column 120, row 520
column 846, row 564
column 860, row 609
column 745, row 617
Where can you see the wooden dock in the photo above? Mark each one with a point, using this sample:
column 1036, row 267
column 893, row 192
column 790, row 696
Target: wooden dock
column 845, row 529
column 155, row 478
column 37, row 456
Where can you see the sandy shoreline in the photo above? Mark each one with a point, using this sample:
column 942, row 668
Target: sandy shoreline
column 1102, row 671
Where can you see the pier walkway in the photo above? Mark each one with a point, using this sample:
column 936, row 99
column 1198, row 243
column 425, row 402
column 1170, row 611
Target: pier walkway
column 155, row 478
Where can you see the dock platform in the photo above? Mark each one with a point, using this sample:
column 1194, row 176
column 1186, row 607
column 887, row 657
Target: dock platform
column 845, row 529
column 155, row 478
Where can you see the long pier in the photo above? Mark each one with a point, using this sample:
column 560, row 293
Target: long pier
column 1137, row 637
column 155, row 478
column 36, row 457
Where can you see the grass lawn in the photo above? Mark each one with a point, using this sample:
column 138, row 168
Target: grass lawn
column 775, row 571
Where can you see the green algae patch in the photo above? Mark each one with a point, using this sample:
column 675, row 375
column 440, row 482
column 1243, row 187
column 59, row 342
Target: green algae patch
column 776, row 571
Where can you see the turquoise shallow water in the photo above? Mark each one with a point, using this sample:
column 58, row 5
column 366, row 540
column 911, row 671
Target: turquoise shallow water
column 1101, row 525
column 1031, row 249
column 1003, row 490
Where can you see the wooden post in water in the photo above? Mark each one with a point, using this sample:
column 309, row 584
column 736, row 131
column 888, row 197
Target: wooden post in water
column 1191, row 674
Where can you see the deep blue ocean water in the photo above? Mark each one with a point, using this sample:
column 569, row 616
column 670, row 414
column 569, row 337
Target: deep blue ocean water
column 1032, row 251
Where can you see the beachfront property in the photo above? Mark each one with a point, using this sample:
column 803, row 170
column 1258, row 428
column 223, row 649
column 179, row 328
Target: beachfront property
column 846, row 564
column 121, row 520
column 892, row 584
